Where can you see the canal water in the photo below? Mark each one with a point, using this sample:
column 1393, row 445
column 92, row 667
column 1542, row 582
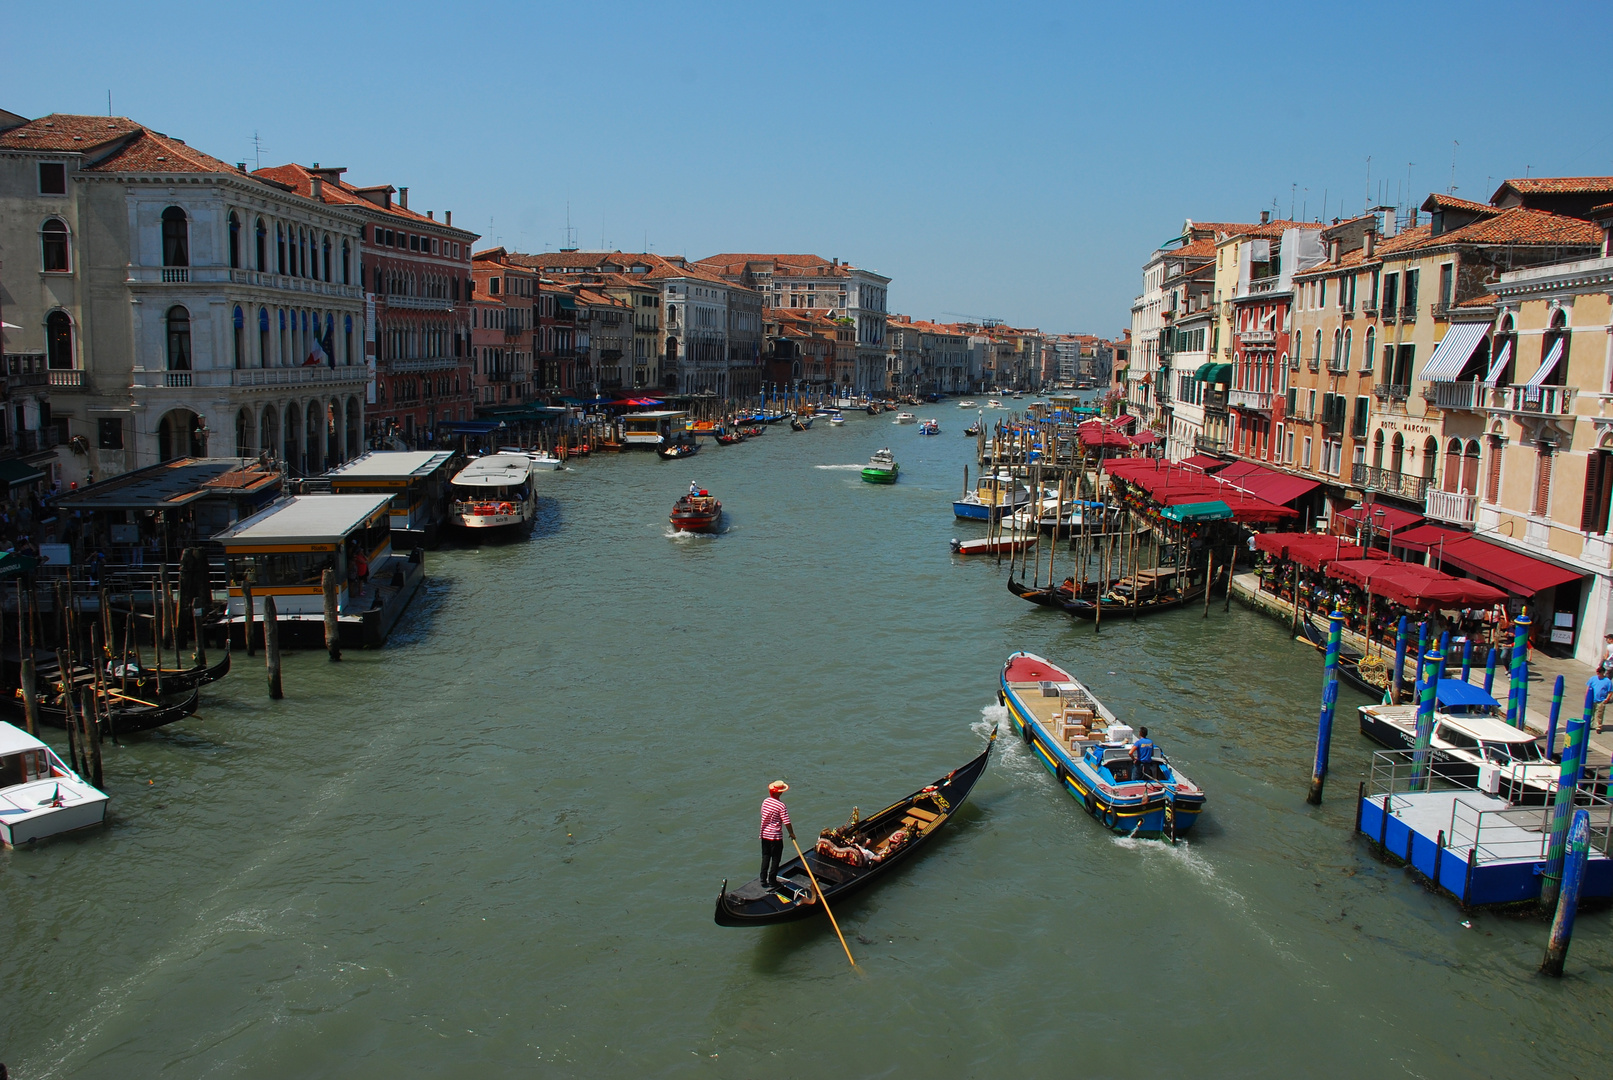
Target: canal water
column 493, row 847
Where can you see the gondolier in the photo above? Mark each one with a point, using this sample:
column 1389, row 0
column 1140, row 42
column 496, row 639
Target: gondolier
column 775, row 822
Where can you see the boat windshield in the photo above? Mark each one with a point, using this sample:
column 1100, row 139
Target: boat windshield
column 1500, row 753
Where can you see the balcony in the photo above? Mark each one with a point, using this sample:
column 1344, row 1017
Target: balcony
column 223, row 275
column 419, row 303
column 1206, row 444
column 1408, row 313
column 1250, row 400
column 1535, row 400
column 1315, row 364
column 66, row 379
column 1258, row 337
column 1398, row 484
column 497, row 376
column 176, row 275
column 177, row 380
column 266, row 378
column 1263, row 285
column 1391, row 392
column 1451, row 506
column 1450, row 395
column 417, row 364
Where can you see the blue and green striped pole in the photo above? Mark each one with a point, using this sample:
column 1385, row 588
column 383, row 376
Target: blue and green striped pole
column 1489, row 672
column 1420, row 773
column 1517, row 695
column 1562, row 924
column 1400, row 662
column 1556, row 707
column 1330, row 697
column 1467, row 657
column 1523, row 673
column 1562, row 806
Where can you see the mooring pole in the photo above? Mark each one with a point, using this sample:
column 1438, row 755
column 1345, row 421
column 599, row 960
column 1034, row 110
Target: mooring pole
column 1400, row 662
column 1562, row 806
column 1556, row 707
column 333, row 640
column 1515, row 669
column 1523, row 670
column 1489, row 670
column 1330, row 696
column 1467, row 657
column 246, row 622
column 1427, row 684
column 1562, row 924
column 271, row 647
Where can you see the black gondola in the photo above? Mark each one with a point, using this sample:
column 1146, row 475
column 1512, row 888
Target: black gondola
column 672, row 451
column 130, row 715
column 142, row 681
column 918, row 817
column 1048, row 596
column 1349, row 667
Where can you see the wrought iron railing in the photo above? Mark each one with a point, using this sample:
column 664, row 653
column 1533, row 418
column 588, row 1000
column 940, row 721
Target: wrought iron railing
column 1401, row 485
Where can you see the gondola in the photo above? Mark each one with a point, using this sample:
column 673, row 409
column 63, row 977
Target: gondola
column 1087, row 607
column 868, row 849
column 142, row 681
column 728, row 438
column 800, row 424
column 1349, row 666
column 129, row 716
column 672, row 451
column 1047, row 596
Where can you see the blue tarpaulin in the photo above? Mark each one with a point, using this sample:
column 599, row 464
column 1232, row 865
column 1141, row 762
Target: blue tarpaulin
column 1462, row 694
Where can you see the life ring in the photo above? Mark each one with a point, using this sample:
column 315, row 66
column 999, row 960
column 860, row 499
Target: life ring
column 504, row 508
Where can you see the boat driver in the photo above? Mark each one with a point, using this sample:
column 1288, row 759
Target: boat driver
column 694, row 488
column 1142, row 752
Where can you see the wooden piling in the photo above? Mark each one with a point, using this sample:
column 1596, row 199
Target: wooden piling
column 30, row 694
column 1209, row 577
column 90, row 722
column 196, row 615
column 271, row 647
column 67, row 711
column 246, row 597
column 333, row 640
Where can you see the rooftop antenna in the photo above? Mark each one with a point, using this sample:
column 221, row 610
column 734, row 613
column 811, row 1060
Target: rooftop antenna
column 571, row 233
column 1293, row 197
column 257, row 151
column 1452, row 189
column 1368, row 203
column 1409, row 164
column 109, row 102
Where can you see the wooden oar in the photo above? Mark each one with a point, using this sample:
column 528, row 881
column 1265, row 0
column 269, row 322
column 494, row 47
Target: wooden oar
column 824, row 900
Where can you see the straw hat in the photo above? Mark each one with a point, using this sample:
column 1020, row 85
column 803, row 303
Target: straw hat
column 778, row 787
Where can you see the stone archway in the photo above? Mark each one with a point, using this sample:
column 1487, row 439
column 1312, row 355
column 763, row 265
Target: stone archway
column 333, row 433
column 292, row 442
column 269, row 427
column 314, row 444
column 181, row 433
column 355, row 426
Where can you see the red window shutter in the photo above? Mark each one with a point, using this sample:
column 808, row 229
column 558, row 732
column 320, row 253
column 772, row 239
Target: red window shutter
column 1492, row 486
column 1542, row 482
column 1593, row 491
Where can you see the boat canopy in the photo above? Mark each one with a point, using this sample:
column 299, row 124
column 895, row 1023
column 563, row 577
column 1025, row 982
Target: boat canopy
column 1198, row 511
column 495, row 470
column 1464, row 694
column 396, row 465
column 307, row 519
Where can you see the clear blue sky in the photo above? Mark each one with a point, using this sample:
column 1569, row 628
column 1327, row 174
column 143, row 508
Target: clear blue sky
column 1013, row 161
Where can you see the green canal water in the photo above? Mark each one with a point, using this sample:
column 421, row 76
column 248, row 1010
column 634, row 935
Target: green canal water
column 492, row 848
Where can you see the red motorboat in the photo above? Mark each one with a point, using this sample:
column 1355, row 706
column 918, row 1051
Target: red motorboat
column 697, row 511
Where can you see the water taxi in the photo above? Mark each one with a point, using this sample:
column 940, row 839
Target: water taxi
column 905, row 418
column 993, row 496
column 993, row 403
column 542, row 460
column 1080, row 742
column 881, row 468
column 1471, row 744
column 284, row 550
column 40, row 796
column 836, row 419
column 968, row 404
column 416, row 480
column 929, row 427
column 698, row 511
column 494, row 492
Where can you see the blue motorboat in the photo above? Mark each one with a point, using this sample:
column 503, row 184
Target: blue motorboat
column 993, row 496
column 1081, row 743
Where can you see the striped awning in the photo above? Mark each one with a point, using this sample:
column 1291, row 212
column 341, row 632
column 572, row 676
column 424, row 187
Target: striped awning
column 1498, row 365
column 1547, row 365
column 1453, row 351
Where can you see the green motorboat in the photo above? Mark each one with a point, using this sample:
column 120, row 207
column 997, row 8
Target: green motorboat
column 881, row 468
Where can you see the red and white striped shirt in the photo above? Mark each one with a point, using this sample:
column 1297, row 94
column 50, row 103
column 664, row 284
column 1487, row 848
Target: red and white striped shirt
column 775, row 815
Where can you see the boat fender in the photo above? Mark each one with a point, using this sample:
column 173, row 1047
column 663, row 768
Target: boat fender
column 1090, row 802
column 1025, row 730
column 1002, row 698
column 1110, row 817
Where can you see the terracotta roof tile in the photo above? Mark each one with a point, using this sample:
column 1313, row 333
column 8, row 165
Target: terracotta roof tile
column 1436, row 201
column 67, row 132
column 1521, row 226
column 339, row 192
column 148, row 152
column 1556, row 185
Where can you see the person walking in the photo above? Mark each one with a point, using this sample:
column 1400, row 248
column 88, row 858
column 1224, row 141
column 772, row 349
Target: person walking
column 1600, row 687
column 775, row 821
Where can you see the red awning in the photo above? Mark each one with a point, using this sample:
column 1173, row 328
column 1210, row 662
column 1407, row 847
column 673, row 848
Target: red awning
column 1414, row 585
column 1393, row 517
column 1427, row 537
column 1147, row 438
column 1204, row 463
column 1517, row 573
column 1269, row 484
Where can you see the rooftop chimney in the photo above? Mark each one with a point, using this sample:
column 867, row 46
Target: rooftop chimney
column 403, row 197
column 447, row 217
column 1265, row 217
column 240, row 166
column 1369, row 242
column 431, row 215
column 317, row 186
column 1412, row 221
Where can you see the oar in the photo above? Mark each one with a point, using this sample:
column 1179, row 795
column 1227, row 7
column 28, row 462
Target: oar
column 824, row 900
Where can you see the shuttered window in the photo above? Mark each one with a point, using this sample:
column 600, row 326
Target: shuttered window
column 1598, row 486
column 1359, row 428
column 1542, row 500
column 1492, row 481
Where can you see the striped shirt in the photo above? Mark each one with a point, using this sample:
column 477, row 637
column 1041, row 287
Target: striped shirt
column 775, row 815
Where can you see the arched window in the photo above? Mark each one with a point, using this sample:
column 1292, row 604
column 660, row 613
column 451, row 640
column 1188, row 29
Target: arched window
column 1316, row 357
column 1338, row 348
column 1397, row 454
column 1506, row 338
column 346, row 264
column 1470, row 468
column 1372, row 347
column 178, row 339
column 302, row 253
column 263, row 337
column 235, row 241
column 175, row 237
column 1453, row 466
column 1377, row 449
column 263, row 246
column 59, row 341
column 239, row 327
column 1556, row 339
column 347, row 339
column 1430, row 453
column 280, row 244
column 1344, row 363
column 53, row 246
column 326, row 253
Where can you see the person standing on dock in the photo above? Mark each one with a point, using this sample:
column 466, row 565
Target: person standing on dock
column 1600, row 687
column 775, row 820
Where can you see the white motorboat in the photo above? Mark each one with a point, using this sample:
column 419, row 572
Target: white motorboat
column 905, row 418
column 993, row 403
column 542, row 460
column 929, row 427
column 968, row 404
column 39, row 796
column 493, row 492
column 836, row 419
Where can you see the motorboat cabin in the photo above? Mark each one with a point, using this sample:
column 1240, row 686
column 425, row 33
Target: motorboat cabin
column 416, row 481
column 1472, row 744
column 994, row 495
column 284, row 550
column 40, row 796
column 652, row 429
column 495, row 491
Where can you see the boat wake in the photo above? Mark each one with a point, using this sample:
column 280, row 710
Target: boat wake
column 1180, row 852
column 684, row 534
column 837, row 466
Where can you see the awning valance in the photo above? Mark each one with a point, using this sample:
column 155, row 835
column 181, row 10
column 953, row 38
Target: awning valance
column 1392, row 518
column 1517, row 573
column 1197, row 511
column 1453, row 351
column 1215, row 374
column 1547, row 365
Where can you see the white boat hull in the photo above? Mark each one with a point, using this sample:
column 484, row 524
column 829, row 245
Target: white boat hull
column 26, row 813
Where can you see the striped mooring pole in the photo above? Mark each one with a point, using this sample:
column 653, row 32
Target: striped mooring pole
column 1400, row 662
column 1562, row 924
column 1569, row 771
column 1556, row 708
column 1489, row 672
column 1420, row 773
column 1330, row 697
column 1467, row 657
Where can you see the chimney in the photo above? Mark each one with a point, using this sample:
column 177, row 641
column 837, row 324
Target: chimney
column 317, row 186
column 431, row 215
column 1265, row 217
column 1369, row 243
column 240, row 166
column 1412, row 221
column 837, row 260
column 403, row 197
column 447, row 217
